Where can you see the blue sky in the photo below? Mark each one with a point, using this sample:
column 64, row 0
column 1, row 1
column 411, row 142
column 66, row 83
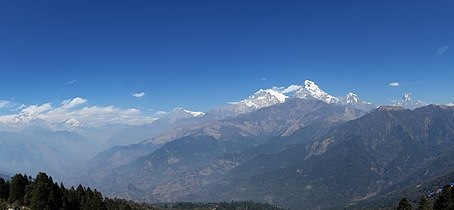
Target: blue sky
column 202, row 54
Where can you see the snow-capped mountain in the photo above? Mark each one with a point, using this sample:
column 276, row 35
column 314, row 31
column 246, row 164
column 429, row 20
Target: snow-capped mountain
column 354, row 101
column 194, row 114
column 408, row 102
column 309, row 90
column 262, row 98
column 312, row 91
column 25, row 119
column 71, row 124
column 21, row 121
column 180, row 113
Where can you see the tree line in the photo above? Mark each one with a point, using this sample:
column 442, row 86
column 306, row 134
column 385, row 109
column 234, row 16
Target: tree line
column 444, row 201
column 42, row 193
column 233, row 205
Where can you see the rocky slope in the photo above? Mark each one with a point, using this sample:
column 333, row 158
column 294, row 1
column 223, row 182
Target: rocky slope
column 191, row 157
column 378, row 153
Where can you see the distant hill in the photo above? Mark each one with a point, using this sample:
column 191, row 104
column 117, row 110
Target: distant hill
column 384, row 151
column 191, row 157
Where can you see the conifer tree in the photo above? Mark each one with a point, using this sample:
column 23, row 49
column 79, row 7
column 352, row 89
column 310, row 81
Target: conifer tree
column 424, row 203
column 4, row 190
column 445, row 200
column 404, row 204
column 39, row 198
column 17, row 188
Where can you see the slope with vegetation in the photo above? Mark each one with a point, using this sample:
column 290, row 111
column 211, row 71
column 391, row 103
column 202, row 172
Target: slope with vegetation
column 41, row 193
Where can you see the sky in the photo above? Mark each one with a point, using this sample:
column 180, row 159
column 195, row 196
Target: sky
column 141, row 57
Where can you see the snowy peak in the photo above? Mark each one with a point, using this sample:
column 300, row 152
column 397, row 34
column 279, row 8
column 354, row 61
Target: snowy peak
column 181, row 113
column 185, row 113
column 309, row 91
column 194, row 114
column 23, row 120
column 264, row 98
column 72, row 123
column 408, row 102
column 260, row 99
column 407, row 97
column 312, row 91
column 352, row 98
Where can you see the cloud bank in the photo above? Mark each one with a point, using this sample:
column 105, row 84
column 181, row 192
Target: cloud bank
column 90, row 115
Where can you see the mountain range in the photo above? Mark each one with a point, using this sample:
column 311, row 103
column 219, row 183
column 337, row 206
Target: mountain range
column 268, row 97
column 385, row 150
column 296, row 146
column 204, row 150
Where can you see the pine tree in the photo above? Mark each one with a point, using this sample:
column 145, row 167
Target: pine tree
column 17, row 188
column 4, row 190
column 424, row 203
column 445, row 200
column 404, row 204
column 40, row 194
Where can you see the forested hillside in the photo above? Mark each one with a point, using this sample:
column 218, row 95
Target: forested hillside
column 41, row 193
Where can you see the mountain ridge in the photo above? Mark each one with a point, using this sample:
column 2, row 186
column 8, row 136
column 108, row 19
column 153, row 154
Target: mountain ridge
column 378, row 153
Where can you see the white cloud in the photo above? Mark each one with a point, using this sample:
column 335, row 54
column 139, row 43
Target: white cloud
column 138, row 95
column 96, row 115
column 4, row 103
column 89, row 115
column 394, row 84
column 70, row 103
column 161, row 113
column 35, row 109
column 263, row 78
column 233, row 102
column 71, row 82
column 442, row 50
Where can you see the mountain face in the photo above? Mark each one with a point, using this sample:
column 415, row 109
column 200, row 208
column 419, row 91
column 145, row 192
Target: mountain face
column 42, row 146
column 20, row 152
column 193, row 156
column 22, row 121
column 376, row 154
column 408, row 102
column 269, row 97
column 179, row 114
column 311, row 91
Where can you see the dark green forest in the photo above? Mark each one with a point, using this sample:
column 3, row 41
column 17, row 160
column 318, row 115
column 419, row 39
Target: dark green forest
column 442, row 200
column 234, row 205
column 42, row 193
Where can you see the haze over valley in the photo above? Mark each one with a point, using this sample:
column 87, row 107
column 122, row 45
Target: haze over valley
column 226, row 105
